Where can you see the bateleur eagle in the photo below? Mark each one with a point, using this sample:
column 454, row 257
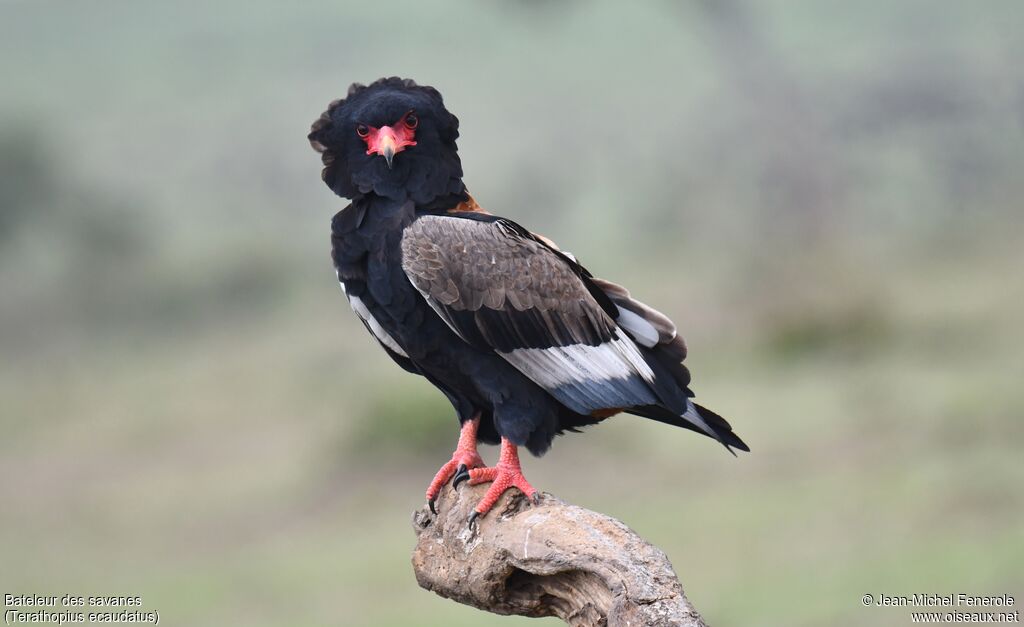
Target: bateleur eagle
column 523, row 341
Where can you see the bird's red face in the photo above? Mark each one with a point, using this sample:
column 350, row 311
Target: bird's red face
column 388, row 141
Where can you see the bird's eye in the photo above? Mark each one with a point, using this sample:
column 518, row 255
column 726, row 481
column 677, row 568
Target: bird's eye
column 411, row 120
column 362, row 130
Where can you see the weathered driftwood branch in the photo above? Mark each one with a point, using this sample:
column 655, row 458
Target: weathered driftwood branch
column 553, row 559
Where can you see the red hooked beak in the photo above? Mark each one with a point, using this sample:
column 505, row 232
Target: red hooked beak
column 388, row 141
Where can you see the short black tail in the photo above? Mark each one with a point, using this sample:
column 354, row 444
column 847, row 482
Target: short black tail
column 722, row 430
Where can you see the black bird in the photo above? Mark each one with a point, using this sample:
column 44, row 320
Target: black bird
column 523, row 341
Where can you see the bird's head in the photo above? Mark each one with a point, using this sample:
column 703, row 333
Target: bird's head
column 393, row 138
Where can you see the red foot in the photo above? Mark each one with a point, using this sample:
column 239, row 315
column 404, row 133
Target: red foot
column 506, row 474
column 465, row 455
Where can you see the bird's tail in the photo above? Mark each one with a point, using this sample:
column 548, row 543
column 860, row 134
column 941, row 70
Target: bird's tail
column 699, row 419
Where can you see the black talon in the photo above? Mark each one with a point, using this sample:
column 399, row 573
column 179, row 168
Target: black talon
column 430, row 504
column 535, row 499
column 461, row 474
column 472, row 519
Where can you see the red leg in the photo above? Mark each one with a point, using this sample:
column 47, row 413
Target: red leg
column 506, row 474
column 465, row 455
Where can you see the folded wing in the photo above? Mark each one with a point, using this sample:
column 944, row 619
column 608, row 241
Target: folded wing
column 500, row 288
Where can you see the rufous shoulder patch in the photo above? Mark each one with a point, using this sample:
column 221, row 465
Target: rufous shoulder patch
column 468, row 205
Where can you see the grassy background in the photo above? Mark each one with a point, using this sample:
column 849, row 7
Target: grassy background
column 825, row 197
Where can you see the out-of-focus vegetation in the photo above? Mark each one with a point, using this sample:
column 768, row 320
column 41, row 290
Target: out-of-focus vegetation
column 825, row 196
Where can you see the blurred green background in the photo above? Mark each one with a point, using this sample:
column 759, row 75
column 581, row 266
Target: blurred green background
column 825, row 196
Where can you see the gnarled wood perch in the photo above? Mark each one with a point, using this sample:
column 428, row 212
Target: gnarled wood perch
column 553, row 559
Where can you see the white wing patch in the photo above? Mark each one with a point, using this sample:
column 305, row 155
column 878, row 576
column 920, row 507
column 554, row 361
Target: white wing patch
column 378, row 331
column 560, row 365
column 641, row 330
column 585, row 378
column 694, row 416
